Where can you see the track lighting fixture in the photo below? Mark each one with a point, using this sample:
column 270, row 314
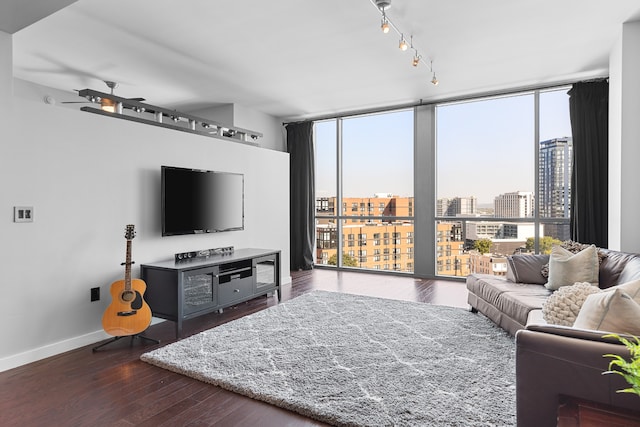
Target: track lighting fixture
column 434, row 80
column 386, row 26
column 134, row 110
column 403, row 43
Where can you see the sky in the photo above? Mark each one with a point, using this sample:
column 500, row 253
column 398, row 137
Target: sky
column 484, row 148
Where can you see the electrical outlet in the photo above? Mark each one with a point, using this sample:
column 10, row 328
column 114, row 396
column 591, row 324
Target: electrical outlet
column 23, row 214
column 95, row 294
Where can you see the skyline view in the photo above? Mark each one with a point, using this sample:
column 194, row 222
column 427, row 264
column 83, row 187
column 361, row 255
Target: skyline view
column 484, row 148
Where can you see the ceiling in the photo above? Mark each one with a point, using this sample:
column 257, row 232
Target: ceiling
column 303, row 59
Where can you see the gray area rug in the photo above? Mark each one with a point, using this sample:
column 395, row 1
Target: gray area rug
column 352, row 360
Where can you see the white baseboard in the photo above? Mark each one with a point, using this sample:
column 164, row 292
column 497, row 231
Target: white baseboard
column 49, row 350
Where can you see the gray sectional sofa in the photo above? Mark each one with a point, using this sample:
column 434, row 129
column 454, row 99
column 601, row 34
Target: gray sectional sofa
column 554, row 362
column 515, row 300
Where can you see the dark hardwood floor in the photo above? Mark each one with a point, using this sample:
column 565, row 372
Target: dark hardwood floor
column 112, row 387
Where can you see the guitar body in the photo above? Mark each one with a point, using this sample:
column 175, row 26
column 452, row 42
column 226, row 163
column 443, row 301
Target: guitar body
column 128, row 313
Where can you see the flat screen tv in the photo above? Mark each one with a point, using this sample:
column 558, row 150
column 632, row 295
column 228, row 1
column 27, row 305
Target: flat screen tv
column 200, row 201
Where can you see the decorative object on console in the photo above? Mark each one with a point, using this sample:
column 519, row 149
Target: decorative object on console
column 204, row 253
column 563, row 306
column 133, row 109
column 567, row 268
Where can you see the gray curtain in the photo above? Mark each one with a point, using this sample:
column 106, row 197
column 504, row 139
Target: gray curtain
column 589, row 110
column 302, row 194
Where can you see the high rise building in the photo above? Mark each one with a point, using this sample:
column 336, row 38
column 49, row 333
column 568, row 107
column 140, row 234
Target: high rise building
column 518, row 204
column 554, row 196
column 554, row 170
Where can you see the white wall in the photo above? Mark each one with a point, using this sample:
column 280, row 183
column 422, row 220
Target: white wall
column 624, row 141
column 242, row 117
column 87, row 176
column 6, row 73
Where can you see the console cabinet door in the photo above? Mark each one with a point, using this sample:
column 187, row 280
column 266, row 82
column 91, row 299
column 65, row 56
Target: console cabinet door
column 265, row 272
column 199, row 289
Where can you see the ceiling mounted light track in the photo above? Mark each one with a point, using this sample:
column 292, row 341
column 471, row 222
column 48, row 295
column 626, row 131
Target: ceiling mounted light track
column 387, row 24
column 133, row 109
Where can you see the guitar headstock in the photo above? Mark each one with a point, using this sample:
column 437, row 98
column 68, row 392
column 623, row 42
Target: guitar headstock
column 130, row 232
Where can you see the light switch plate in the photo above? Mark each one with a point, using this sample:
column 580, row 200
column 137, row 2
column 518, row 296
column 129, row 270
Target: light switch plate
column 23, row 214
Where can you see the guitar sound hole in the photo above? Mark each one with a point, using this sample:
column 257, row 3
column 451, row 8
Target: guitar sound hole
column 134, row 298
column 128, row 296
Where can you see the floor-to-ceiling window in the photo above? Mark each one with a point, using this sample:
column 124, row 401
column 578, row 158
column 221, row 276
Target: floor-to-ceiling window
column 503, row 179
column 495, row 182
column 364, row 191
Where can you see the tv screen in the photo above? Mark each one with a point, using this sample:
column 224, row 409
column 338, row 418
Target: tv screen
column 200, row 201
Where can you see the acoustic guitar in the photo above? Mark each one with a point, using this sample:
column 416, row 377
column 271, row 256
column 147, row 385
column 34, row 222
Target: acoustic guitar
column 128, row 313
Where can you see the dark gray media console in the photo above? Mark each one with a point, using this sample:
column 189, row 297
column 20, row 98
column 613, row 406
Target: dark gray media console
column 179, row 290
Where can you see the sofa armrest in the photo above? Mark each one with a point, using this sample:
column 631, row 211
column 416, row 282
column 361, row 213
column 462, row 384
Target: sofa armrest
column 553, row 361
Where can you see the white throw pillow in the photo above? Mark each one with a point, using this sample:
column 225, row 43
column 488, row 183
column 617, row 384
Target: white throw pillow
column 567, row 268
column 611, row 311
column 630, row 288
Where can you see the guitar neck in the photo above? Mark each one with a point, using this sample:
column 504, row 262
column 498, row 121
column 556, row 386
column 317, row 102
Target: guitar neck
column 127, row 268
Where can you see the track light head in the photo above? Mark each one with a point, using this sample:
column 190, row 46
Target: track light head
column 434, row 80
column 385, row 27
column 403, row 44
column 416, row 60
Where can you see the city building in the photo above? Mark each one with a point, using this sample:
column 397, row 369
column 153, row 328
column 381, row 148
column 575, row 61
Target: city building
column 456, row 206
column 518, row 204
column 488, row 263
column 381, row 243
column 555, row 177
column 554, row 193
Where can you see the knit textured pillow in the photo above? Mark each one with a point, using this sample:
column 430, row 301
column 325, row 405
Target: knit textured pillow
column 562, row 306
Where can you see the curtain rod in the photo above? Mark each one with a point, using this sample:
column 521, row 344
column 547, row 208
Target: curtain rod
column 422, row 102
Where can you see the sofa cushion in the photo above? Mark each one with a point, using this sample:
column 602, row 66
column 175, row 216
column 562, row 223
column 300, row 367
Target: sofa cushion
column 526, row 268
column 563, row 306
column 490, row 287
column 518, row 305
column 618, row 267
column 611, row 311
column 567, row 268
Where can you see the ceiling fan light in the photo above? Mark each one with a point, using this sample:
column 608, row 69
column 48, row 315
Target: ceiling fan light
column 108, row 105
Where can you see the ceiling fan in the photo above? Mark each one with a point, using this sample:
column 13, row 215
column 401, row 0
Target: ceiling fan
column 105, row 103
